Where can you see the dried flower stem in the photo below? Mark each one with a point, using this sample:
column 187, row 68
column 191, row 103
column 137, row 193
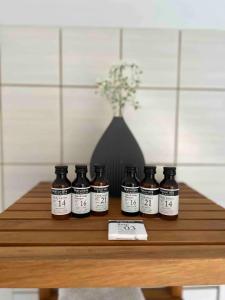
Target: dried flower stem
column 120, row 86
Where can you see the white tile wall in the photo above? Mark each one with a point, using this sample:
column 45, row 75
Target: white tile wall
column 30, row 290
column 31, row 124
column 203, row 63
column 88, row 53
column 19, row 294
column 86, row 116
column 0, row 131
column 18, row 179
column 153, row 125
column 155, row 51
column 209, row 293
column 6, row 294
column 26, row 296
column 1, row 192
column 30, row 55
column 221, row 294
column 201, row 127
column 33, row 140
column 208, row 180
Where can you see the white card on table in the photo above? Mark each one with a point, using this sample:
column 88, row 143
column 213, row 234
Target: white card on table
column 127, row 230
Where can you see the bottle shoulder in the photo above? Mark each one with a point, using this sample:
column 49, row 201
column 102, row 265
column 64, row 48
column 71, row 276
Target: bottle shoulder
column 59, row 183
column 99, row 182
column 81, row 182
column 130, row 182
column 169, row 184
column 149, row 183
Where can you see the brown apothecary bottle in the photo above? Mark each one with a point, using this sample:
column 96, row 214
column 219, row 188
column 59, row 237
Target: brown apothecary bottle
column 130, row 192
column 149, row 193
column 169, row 195
column 81, row 194
column 61, row 194
column 99, row 192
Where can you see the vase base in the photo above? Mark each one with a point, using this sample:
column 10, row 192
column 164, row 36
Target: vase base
column 129, row 214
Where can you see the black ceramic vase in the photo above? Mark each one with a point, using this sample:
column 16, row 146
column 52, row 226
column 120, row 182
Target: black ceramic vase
column 116, row 149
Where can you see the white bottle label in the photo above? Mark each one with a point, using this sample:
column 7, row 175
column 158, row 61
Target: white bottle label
column 149, row 200
column 130, row 199
column 99, row 198
column 61, row 201
column 169, row 202
column 81, row 200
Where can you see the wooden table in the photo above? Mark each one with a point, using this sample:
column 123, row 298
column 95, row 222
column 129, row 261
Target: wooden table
column 37, row 251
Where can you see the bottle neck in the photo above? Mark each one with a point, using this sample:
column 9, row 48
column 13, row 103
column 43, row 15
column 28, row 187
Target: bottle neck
column 131, row 174
column 149, row 176
column 61, row 176
column 169, row 177
column 99, row 174
column 81, row 175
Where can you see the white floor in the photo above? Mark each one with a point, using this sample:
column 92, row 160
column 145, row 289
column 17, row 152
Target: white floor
column 190, row 293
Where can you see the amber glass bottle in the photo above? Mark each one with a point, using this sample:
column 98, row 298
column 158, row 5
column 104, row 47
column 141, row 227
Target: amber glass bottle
column 61, row 194
column 130, row 192
column 149, row 193
column 99, row 192
column 169, row 195
column 81, row 196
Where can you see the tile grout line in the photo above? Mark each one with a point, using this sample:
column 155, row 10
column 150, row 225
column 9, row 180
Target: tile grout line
column 176, row 141
column 61, row 93
column 74, row 162
column 24, row 292
column 1, row 133
column 201, row 287
column 201, row 164
column 121, row 44
column 86, row 86
column 218, row 293
column 29, row 163
column 42, row 85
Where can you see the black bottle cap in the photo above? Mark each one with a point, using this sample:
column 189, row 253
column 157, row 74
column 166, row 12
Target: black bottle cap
column 61, row 169
column 81, row 168
column 169, row 170
column 130, row 168
column 150, row 169
column 99, row 168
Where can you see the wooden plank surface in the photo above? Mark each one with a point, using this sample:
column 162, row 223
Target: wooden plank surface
column 100, row 237
column 79, row 254
column 90, row 266
column 45, row 215
column 102, row 224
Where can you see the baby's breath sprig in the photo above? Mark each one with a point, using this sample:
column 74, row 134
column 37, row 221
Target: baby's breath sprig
column 120, row 86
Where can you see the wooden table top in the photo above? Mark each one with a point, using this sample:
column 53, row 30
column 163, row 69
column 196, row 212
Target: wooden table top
column 37, row 251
